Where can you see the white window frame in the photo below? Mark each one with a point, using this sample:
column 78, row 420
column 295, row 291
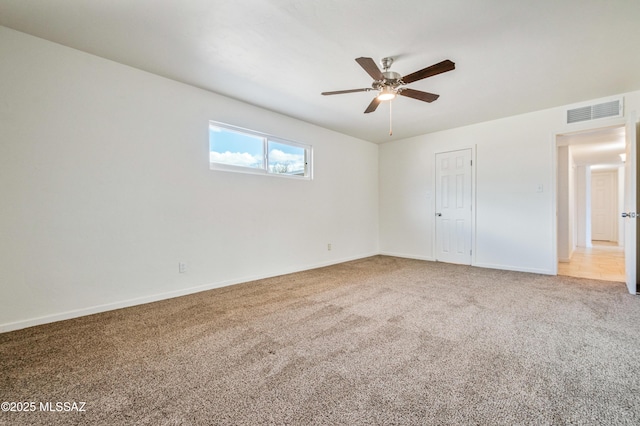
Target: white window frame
column 266, row 138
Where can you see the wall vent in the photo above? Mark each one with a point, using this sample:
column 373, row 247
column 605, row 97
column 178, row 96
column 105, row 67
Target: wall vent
column 593, row 112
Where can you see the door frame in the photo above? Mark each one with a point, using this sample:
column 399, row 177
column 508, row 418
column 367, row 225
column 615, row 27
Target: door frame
column 631, row 244
column 568, row 130
column 474, row 209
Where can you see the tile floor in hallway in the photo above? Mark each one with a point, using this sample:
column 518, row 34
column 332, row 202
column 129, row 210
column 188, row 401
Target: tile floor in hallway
column 603, row 261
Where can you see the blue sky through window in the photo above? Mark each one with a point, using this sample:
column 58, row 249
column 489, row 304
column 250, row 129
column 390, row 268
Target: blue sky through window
column 238, row 149
column 244, row 148
column 285, row 158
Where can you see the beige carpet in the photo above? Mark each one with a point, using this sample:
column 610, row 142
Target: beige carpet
column 376, row 341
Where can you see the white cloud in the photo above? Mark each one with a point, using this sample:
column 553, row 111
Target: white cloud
column 294, row 161
column 278, row 156
column 235, row 158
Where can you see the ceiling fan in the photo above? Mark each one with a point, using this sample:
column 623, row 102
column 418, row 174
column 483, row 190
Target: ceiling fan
column 389, row 83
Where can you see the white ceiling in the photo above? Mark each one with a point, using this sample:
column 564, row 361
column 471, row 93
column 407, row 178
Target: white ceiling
column 511, row 57
column 601, row 148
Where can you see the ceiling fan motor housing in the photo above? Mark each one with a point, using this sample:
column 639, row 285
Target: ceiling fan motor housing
column 391, row 75
column 392, row 80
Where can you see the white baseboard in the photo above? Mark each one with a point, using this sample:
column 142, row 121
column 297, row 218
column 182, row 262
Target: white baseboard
column 479, row 265
column 46, row 319
column 514, row 268
column 407, row 256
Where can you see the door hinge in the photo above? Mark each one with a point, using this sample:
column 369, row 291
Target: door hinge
column 470, row 252
column 472, row 162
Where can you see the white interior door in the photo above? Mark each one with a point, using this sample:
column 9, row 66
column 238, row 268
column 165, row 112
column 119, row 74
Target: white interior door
column 453, row 207
column 630, row 203
column 603, row 217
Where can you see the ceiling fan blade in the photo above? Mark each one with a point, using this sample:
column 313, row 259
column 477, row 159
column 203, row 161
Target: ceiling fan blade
column 417, row 94
column 373, row 105
column 340, row 92
column 436, row 69
column 371, row 68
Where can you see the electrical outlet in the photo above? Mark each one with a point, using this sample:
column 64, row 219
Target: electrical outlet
column 329, row 246
column 182, row 268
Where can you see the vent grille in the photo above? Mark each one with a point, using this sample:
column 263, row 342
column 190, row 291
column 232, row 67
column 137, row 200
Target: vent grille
column 593, row 112
column 579, row 114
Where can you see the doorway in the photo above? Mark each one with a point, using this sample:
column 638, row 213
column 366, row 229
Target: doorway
column 604, row 197
column 453, row 206
column 590, row 195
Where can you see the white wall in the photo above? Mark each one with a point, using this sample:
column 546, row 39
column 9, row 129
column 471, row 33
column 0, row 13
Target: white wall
column 514, row 224
column 566, row 199
column 105, row 187
column 583, row 206
column 564, row 215
column 620, row 206
column 573, row 203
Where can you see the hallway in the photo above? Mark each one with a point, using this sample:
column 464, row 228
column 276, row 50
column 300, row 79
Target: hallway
column 603, row 261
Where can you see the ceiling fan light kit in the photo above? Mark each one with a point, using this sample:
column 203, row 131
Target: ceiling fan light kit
column 390, row 83
column 387, row 93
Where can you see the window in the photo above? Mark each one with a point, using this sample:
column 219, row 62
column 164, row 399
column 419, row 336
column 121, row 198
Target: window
column 240, row 150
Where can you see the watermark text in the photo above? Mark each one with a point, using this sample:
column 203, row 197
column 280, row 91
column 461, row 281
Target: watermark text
column 48, row 406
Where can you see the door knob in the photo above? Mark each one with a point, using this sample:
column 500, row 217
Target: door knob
column 438, row 214
column 631, row 215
